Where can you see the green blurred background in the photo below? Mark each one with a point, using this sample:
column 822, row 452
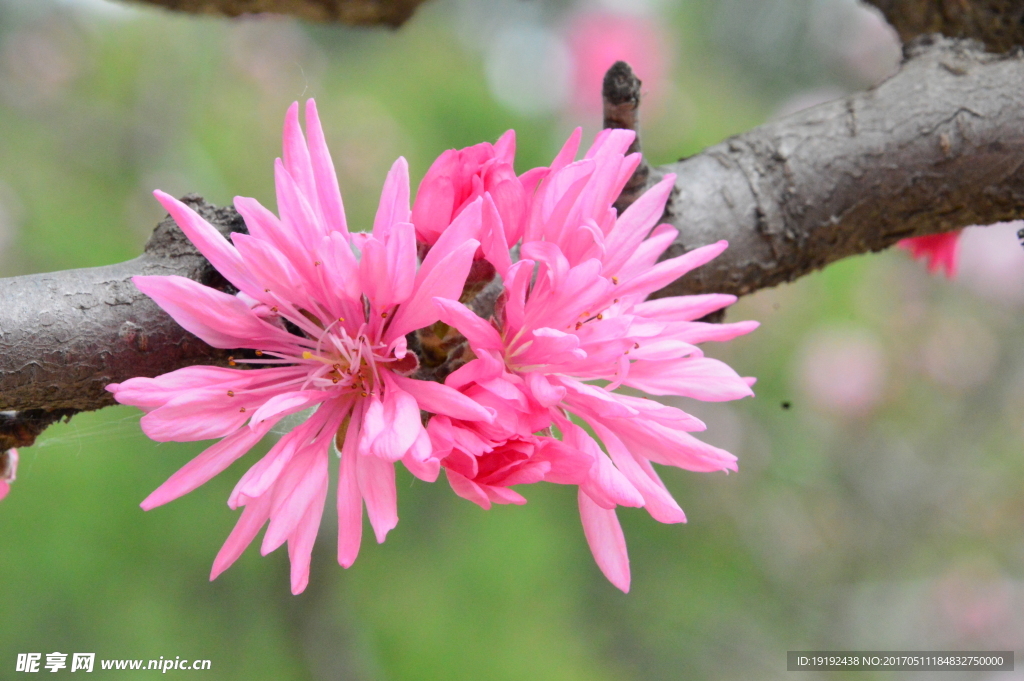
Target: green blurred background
column 879, row 500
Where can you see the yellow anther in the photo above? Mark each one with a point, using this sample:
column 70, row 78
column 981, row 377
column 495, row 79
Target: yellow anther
column 306, row 354
column 231, row 393
column 242, row 410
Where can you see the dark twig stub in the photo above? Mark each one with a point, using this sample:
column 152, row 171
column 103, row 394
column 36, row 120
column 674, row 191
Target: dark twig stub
column 621, row 92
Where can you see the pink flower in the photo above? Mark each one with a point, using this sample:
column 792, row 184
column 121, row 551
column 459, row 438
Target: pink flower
column 322, row 316
column 8, row 470
column 939, row 250
column 574, row 312
column 461, row 176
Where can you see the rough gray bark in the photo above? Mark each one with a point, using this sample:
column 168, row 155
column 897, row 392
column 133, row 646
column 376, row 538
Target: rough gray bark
column 937, row 147
column 354, row 12
column 66, row 335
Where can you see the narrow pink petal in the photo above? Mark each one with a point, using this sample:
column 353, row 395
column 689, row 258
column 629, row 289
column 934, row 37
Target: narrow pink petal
column 568, row 465
column 503, row 495
column 341, row 266
column 302, row 484
column 273, row 268
column 255, row 515
column 300, row 543
column 438, row 398
column 350, row 501
column 444, row 281
column 401, row 260
column 478, row 331
column 667, row 271
column 467, row 489
column 323, row 172
column 494, row 238
column 607, row 543
column 297, row 215
column 606, row 485
column 426, row 469
column 377, row 485
column 671, row 446
column 487, row 366
column 394, row 199
column 402, row 425
column 284, row 404
column 372, row 424
column 266, row 472
column 568, row 151
column 150, row 393
column 202, row 468
column 211, row 243
column 219, row 319
column 505, row 147
column 701, row 378
column 374, row 277
column 435, row 198
column 611, row 142
column 683, row 308
column 644, row 257
column 198, row 415
column 531, row 178
column 297, row 159
column 543, row 391
column 264, row 225
column 636, row 222
column 701, row 332
column 657, row 500
column 463, row 228
column 4, row 489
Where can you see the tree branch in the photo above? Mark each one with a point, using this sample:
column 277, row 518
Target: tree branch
column 65, row 335
column 355, row 12
column 937, row 147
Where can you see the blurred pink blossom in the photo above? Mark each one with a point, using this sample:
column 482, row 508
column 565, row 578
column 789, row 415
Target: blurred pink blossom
column 977, row 603
column 992, row 262
column 8, row 470
column 842, row 371
column 599, row 39
column 939, row 251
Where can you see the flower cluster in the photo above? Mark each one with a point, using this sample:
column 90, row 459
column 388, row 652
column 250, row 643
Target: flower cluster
column 337, row 323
